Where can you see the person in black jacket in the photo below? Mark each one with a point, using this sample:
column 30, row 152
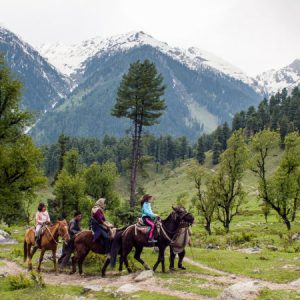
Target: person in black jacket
column 74, row 229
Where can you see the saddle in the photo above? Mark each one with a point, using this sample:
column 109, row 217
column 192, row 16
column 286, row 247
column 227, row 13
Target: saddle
column 141, row 227
column 145, row 229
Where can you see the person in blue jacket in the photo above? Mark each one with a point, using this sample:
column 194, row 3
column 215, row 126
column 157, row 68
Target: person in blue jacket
column 148, row 216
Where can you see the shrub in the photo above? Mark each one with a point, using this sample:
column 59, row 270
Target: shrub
column 20, row 281
column 37, row 279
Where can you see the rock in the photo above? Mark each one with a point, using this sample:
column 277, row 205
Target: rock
column 3, row 274
column 250, row 250
column 212, row 246
column 127, row 288
column 241, row 291
column 5, row 238
column 92, row 287
column 288, row 266
column 296, row 236
column 296, row 282
column 144, row 275
column 272, row 247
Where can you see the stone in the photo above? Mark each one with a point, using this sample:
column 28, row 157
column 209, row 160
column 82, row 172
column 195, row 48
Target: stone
column 127, row 288
column 92, row 287
column 241, row 290
column 3, row 274
column 296, row 236
column 5, row 238
column 252, row 250
column 144, row 275
column 295, row 282
column 272, row 247
column 212, row 246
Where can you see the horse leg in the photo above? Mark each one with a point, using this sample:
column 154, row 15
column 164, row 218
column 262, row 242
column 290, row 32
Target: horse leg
column 74, row 261
column 137, row 256
column 54, row 260
column 180, row 259
column 104, row 267
column 120, row 263
column 160, row 259
column 80, row 259
column 41, row 259
column 172, row 259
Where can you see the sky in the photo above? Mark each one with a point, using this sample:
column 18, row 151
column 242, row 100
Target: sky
column 254, row 35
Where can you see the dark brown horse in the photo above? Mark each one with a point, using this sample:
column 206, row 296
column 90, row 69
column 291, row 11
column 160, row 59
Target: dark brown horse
column 49, row 241
column 132, row 238
column 83, row 244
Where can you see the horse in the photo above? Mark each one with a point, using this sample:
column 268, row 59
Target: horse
column 83, row 244
column 130, row 238
column 49, row 241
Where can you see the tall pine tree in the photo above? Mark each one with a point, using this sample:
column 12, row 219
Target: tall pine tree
column 139, row 100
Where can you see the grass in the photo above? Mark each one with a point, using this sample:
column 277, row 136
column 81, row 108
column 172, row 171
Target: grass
column 278, row 267
column 267, row 294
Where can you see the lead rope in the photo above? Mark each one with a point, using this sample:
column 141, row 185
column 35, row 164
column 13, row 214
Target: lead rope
column 52, row 236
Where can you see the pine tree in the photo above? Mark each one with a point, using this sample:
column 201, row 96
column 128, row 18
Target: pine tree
column 217, row 149
column 200, row 154
column 139, row 100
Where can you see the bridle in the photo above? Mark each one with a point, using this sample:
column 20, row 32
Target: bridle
column 59, row 233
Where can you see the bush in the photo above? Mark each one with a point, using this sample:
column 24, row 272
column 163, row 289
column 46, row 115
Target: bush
column 37, row 279
column 20, row 281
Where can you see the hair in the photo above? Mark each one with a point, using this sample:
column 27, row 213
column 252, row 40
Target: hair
column 77, row 213
column 41, row 206
column 145, row 198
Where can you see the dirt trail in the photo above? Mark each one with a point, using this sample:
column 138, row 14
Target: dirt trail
column 154, row 284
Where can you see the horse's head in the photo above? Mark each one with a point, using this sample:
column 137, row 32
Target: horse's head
column 180, row 215
column 63, row 230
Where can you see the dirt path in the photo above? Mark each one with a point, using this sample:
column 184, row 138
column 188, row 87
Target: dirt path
column 154, row 284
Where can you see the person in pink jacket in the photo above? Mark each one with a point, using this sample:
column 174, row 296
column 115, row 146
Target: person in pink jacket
column 41, row 218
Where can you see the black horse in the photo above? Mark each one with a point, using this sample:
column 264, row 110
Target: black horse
column 131, row 237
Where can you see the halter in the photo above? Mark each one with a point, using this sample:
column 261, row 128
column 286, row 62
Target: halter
column 53, row 238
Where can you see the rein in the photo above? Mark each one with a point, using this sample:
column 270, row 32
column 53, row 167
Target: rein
column 52, row 237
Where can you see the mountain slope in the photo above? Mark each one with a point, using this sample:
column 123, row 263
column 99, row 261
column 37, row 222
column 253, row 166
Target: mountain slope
column 201, row 92
column 43, row 85
column 272, row 81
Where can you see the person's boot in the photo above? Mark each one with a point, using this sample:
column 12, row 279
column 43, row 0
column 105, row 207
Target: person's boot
column 180, row 266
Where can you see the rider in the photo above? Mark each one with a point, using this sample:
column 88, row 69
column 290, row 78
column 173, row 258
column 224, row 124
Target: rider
column 148, row 216
column 100, row 226
column 42, row 218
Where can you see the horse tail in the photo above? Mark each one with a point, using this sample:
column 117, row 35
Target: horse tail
column 25, row 250
column 115, row 248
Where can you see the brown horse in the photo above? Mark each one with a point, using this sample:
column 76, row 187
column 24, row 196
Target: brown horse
column 49, row 241
column 83, row 244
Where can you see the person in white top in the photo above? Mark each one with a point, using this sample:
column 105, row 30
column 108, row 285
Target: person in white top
column 41, row 218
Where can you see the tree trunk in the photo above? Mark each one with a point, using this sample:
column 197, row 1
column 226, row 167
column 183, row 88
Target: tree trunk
column 207, row 227
column 287, row 223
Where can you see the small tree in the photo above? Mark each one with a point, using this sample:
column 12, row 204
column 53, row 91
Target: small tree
column 226, row 186
column 204, row 201
column 99, row 182
column 139, row 100
column 280, row 191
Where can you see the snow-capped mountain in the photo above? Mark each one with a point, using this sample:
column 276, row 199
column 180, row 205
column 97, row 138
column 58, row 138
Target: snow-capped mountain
column 43, row 85
column 273, row 81
column 69, row 59
column 202, row 90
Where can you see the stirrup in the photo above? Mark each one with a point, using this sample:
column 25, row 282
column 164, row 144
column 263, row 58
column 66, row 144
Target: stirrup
column 152, row 241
